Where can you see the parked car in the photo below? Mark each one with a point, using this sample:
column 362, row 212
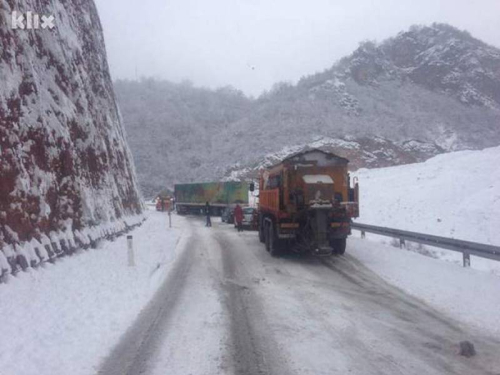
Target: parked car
column 250, row 217
column 228, row 215
column 163, row 203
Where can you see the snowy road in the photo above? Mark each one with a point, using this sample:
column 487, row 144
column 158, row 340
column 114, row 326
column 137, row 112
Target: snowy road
column 228, row 307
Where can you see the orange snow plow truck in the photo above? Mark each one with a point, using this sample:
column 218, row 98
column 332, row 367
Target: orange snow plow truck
column 306, row 204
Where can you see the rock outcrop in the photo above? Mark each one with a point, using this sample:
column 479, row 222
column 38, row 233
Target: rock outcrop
column 66, row 171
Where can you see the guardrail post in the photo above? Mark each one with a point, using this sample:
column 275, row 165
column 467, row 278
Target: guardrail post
column 131, row 261
column 466, row 259
column 363, row 235
column 402, row 243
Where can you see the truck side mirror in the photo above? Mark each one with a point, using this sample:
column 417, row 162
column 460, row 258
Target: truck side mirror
column 252, row 187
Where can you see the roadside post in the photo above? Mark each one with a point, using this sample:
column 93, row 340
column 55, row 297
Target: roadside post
column 402, row 243
column 130, row 244
column 466, row 259
column 170, row 218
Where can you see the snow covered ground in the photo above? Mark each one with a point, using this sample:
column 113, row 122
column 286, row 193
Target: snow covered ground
column 467, row 295
column 216, row 302
column 454, row 195
column 63, row 318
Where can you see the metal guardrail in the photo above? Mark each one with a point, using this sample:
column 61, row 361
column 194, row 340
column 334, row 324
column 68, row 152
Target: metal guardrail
column 465, row 247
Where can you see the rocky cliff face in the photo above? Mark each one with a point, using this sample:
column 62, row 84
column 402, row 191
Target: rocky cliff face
column 65, row 165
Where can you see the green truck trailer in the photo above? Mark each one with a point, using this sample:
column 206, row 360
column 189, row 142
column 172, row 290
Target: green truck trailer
column 192, row 198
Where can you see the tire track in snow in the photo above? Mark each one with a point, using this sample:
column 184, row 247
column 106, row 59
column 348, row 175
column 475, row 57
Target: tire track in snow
column 341, row 310
column 252, row 349
column 347, row 303
column 431, row 334
column 135, row 352
column 384, row 294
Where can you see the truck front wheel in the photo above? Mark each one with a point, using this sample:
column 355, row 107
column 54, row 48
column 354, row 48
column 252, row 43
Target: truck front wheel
column 339, row 246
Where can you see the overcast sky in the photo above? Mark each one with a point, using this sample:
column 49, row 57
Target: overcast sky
column 251, row 44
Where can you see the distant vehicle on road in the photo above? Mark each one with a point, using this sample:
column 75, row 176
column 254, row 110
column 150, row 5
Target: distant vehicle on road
column 163, row 203
column 228, row 215
column 250, row 218
column 191, row 198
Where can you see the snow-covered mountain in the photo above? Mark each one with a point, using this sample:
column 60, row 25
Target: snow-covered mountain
column 65, row 168
column 440, row 58
column 429, row 89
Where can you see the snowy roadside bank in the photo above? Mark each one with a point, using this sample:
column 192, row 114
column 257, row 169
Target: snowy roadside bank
column 63, row 318
column 467, row 295
column 23, row 255
column 454, row 195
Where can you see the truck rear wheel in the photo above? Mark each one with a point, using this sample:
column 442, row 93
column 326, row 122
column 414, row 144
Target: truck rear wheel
column 273, row 241
column 262, row 236
column 339, row 246
column 267, row 236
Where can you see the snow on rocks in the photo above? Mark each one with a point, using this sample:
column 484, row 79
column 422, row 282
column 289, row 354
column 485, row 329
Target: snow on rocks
column 372, row 152
column 65, row 164
column 5, row 267
column 29, row 254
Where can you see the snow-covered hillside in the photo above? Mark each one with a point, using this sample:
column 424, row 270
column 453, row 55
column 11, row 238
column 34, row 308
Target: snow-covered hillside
column 453, row 195
column 428, row 86
column 65, row 165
